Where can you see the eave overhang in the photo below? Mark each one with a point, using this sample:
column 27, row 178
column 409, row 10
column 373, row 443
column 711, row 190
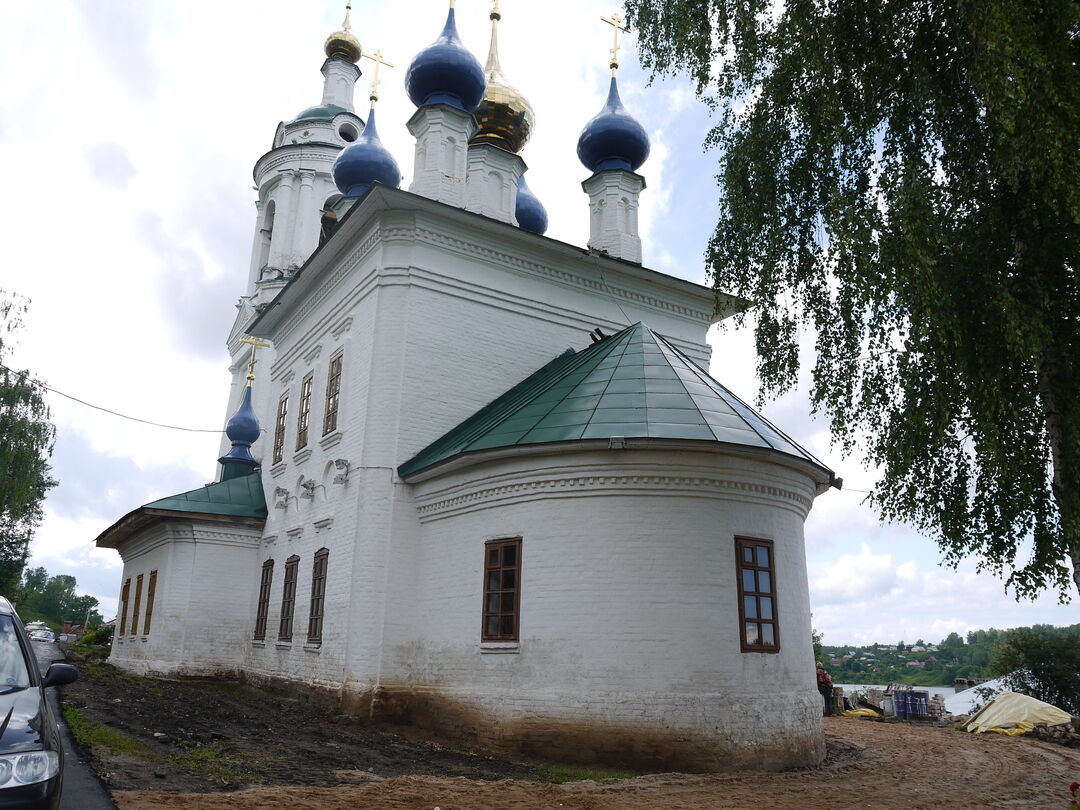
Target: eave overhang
column 380, row 199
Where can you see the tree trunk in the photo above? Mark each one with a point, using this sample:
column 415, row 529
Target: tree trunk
column 1057, row 410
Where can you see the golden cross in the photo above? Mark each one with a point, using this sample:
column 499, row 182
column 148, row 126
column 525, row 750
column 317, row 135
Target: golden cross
column 617, row 23
column 379, row 61
column 255, row 344
column 347, row 25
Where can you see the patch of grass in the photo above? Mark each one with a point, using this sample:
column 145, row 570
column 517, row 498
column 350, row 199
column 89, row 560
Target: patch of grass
column 89, row 734
column 213, row 761
column 558, row 774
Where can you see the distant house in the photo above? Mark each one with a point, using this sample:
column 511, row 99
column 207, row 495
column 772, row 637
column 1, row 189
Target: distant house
column 916, row 663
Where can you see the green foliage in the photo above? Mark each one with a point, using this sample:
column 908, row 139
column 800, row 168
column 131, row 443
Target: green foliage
column 954, row 658
column 88, row 734
column 899, row 180
column 1042, row 662
column 558, row 774
column 101, row 635
column 54, row 599
column 26, row 440
column 816, row 639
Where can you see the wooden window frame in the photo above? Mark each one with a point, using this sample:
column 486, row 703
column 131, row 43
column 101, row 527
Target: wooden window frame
column 741, row 565
column 279, row 428
column 125, row 595
column 333, row 392
column 288, row 598
column 136, row 605
column 493, row 565
column 317, row 612
column 151, row 592
column 266, row 580
column 303, row 413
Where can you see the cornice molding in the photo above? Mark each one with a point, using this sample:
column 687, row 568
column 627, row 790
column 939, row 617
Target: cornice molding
column 505, row 259
column 482, row 495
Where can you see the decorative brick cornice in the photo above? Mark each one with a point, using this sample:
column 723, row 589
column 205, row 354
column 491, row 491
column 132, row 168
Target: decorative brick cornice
column 470, row 248
column 566, row 486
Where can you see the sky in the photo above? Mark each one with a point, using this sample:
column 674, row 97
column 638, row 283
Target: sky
column 128, row 133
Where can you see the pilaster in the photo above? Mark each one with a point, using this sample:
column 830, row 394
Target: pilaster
column 442, row 136
column 613, row 213
column 491, row 187
column 284, row 219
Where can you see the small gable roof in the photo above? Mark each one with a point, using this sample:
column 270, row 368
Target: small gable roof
column 634, row 384
column 238, row 500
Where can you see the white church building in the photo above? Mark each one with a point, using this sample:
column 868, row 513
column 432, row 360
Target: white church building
column 482, row 481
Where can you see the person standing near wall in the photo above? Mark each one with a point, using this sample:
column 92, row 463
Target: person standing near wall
column 825, row 687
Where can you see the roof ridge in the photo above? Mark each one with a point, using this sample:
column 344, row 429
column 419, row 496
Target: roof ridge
column 713, row 381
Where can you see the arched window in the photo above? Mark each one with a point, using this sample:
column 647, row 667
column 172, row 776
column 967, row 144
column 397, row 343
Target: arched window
column 288, row 598
column 318, row 596
column 326, row 226
column 264, row 600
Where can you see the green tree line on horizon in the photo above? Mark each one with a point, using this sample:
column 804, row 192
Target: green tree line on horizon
column 52, row 599
column 980, row 654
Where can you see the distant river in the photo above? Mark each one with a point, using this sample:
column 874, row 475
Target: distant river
column 947, row 691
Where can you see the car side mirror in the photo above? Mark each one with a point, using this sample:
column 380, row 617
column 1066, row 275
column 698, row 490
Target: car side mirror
column 60, row 674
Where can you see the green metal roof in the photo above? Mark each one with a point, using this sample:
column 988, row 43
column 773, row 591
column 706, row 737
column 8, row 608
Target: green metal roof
column 632, row 384
column 322, row 112
column 237, row 497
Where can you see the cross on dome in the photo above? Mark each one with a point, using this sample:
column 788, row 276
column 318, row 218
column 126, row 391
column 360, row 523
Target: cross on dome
column 617, row 24
column 379, row 61
column 255, row 344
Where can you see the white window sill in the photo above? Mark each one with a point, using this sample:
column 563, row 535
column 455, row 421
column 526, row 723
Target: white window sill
column 283, row 645
column 331, row 440
column 278, row 468
column 313, row 648
column 500, row 647
column 300, row 456
column 255, row 643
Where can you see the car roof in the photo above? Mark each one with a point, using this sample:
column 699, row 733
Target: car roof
column 6, row 607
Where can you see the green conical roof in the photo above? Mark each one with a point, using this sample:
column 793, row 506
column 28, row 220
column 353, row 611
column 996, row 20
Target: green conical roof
column 634, row 384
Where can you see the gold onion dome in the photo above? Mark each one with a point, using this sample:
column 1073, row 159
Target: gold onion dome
column 505, row 118
column 344, row 44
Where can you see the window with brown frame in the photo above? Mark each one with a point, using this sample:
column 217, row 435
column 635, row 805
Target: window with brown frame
column 318, row 596
column 135, row 609
column 125, row 594
column 303, row 416
column 151, row 590
column 333, row 394
column 288, row 598
column 264, row 600
column 755, row 569
column 502, row 590
column 279, row 428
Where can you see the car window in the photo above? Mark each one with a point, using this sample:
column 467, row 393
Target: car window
column 13, row 671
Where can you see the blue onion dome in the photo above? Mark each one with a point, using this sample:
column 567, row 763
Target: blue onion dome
column 530, row 212
column 446, row 73
column 243, row 431
column 613, row 139
column 365, row 161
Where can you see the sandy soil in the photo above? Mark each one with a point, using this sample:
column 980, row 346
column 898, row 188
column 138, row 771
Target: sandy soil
column 871, row 764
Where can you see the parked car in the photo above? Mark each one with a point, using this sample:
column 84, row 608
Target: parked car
column 31, row 756
column 43, row 635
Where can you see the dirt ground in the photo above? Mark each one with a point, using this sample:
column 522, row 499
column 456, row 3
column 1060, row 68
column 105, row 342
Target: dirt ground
column 251, row 749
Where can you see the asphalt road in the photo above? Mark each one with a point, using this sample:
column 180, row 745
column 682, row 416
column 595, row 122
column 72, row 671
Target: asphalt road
column 82, row 789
